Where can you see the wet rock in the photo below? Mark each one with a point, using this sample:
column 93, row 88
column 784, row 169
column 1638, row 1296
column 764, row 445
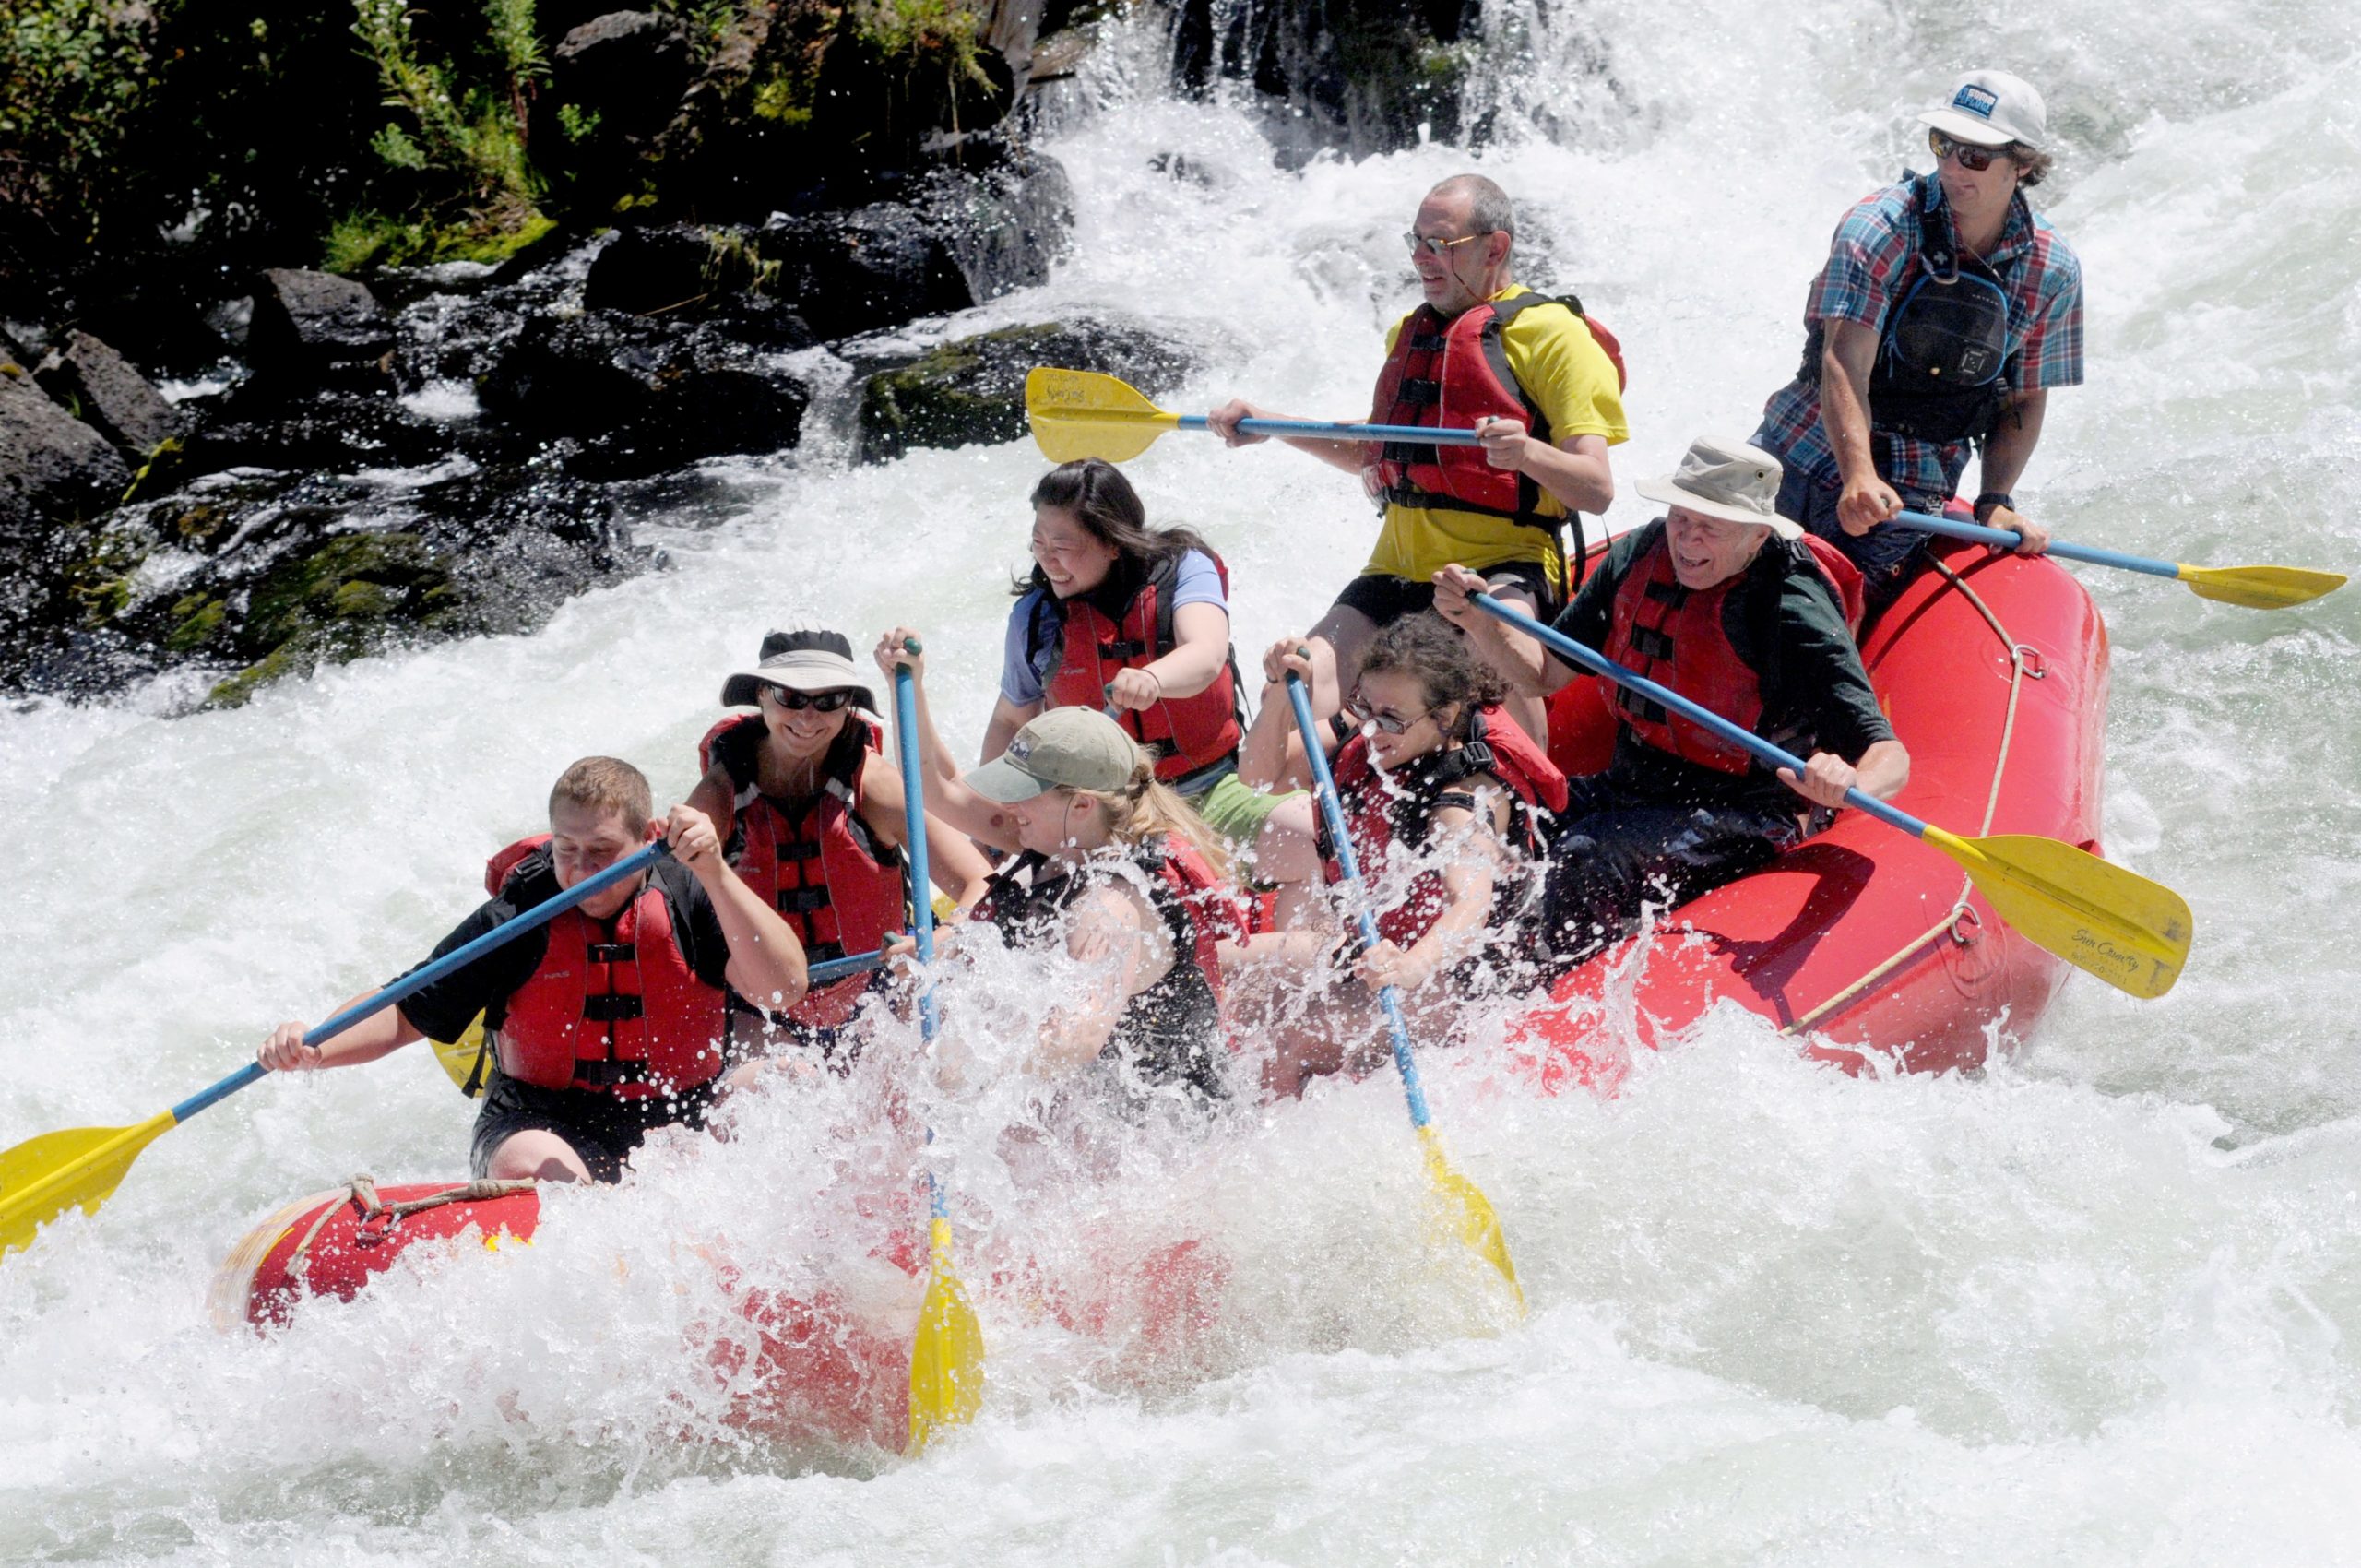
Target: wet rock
column 971, row 391
column 1005, row 226
column 316, row 327
column 1359, row 76
column 258, row 576
column 628, row 67
column 261, row 424
column 54, row 468
column 641, row 397
column 961, row 239
column 102, row 388
column 671, row 268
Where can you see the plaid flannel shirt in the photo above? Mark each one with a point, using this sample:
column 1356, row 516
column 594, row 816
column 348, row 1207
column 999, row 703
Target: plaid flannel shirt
column 1871, row 264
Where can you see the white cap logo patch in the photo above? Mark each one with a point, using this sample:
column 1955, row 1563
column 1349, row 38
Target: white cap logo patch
column 1978, row 101
column 1020, row 749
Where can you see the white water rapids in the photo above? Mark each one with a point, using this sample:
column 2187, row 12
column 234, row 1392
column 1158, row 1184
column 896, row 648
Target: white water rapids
column 2101, row 1304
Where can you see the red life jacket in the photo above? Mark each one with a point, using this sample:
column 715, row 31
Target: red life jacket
column 1454, row 374
column 1104, row 635
column 837, row 886
column 1676, row 637
column 1401, row 805
column 613, row 1006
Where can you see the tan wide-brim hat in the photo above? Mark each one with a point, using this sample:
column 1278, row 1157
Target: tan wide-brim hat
column 1068, row 748
column 801, row 662
column 1727, row 479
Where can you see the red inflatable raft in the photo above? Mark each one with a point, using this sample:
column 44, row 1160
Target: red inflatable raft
column 791, row 1369
column 1993, row 672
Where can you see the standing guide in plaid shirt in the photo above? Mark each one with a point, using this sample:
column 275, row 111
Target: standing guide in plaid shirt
column 1947, row 311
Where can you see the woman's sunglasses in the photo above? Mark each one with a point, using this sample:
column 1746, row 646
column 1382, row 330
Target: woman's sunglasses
column 1360, row 709
column 796, row 702
column 1974, row 158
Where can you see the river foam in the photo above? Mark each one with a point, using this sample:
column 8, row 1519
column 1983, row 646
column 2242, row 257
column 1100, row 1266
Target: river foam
column 2098, row 1305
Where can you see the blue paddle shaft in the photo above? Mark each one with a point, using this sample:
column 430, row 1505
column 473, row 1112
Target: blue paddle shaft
column 1333, row 812
column 906, row 742
column 835, row 969
column 1565, row 647
column 2008, row 539
column 1410, row 434
column 419, row 979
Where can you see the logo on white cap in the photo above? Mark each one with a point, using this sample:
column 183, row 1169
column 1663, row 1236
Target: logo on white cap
column 1020, row 749
column 1978, row 101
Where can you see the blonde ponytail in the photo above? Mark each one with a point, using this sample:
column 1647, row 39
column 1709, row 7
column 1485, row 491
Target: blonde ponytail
column 1148, row 806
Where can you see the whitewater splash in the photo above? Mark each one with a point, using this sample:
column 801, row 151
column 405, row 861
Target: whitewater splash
column 2098, row 1305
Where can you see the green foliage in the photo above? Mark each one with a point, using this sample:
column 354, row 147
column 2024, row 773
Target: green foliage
column 359, row 240
column 911, row 29
column 578, row 124
column 71, row 72
column 469, row 138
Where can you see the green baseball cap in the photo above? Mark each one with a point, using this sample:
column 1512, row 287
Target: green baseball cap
column 1070, row 748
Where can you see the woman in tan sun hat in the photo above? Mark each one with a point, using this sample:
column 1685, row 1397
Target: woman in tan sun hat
column 811, row 815
column 1109, row 864
column 1738, row 610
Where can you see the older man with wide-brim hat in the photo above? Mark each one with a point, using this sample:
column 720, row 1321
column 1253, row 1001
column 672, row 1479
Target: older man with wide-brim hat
column 1740, row 610
column 1946, row 311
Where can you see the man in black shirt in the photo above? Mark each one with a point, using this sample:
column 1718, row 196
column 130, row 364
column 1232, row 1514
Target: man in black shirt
column 1732, row 606
column 609, row 1020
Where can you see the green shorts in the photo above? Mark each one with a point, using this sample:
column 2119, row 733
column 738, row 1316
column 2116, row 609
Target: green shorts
column 1236, row 811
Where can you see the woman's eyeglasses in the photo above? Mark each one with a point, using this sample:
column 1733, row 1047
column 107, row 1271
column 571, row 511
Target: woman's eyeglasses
column 796, row 702
column 1974, row 158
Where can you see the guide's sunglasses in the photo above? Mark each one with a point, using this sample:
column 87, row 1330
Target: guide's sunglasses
column 1434, row 246
column 1974, row 158
column 796, row 702
column 1361, row 710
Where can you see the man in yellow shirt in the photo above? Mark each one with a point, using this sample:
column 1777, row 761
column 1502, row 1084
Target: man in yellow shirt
column 1538, row 382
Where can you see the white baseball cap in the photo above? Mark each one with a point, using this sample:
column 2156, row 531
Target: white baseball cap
column 1991, row 109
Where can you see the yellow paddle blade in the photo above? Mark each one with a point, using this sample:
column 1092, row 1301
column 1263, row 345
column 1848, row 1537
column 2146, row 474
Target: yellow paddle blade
column 44, row 1177
column 462, row 1060
column 1080, row 413
column 947, row 1359
column 2131, row 932
column 1466, row 1213
column 2260, row 588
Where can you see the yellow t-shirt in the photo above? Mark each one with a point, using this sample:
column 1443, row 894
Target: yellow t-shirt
column 1560, row 367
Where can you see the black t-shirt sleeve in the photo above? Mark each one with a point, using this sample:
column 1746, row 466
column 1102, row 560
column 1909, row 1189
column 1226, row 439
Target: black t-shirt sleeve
column 696, row 924
column 1822, row 676
column 1592, row 614
column 443, row 1010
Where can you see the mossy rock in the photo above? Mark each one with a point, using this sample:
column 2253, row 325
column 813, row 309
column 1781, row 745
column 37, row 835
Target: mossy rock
column 98, row 573
column 196, row 621
column 365, row 578
column 971, row 391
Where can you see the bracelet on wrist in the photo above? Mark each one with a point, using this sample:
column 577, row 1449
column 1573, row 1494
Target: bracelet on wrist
column 1992, row 501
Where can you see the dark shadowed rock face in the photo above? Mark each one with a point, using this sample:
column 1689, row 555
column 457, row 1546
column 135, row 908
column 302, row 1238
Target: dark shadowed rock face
column 971, row 391
column 628, row 67
column 640, row 395
column 316, row 327
column 101, row 388
column 54, row 469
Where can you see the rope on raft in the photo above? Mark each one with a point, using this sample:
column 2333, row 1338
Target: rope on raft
column 1962, row 909
column 361, row 1192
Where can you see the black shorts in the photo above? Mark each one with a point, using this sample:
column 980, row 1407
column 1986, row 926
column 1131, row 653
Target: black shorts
column 601, row 1128
column 1386, row 599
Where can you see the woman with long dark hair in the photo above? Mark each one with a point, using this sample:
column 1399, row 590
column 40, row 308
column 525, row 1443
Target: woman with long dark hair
column 1134, row 621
